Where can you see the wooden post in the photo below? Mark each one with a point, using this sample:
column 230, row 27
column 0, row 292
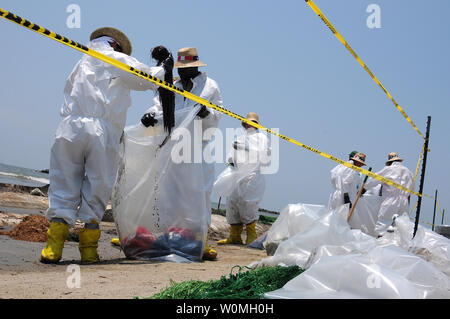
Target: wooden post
column 358, row 196
column 422, row 177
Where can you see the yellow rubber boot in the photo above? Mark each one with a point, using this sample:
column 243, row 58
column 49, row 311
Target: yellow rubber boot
column 115, row 241
column 88, row 245
column 251, row 233
column 235, row 236
column 56, row 235
column 208, row 253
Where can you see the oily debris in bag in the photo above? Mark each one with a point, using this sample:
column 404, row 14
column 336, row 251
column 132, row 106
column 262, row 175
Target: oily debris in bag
column 145, row 245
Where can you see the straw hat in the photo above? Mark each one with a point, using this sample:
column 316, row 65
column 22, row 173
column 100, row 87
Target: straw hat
column 360, row 158
column 392, row 157
column 117, row 35
column 188, row 58
column 252, row 116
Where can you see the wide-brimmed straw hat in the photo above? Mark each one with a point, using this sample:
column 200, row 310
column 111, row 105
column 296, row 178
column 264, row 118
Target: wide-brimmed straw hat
column 392, row 157
column 252, row 116
column 117, row 35
column 359, row 157
column 188, row 58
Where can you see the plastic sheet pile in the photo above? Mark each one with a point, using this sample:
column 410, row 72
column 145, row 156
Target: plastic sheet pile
column 341, row 262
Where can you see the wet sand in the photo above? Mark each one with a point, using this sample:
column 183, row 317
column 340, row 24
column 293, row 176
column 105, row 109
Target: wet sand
column 23, row 276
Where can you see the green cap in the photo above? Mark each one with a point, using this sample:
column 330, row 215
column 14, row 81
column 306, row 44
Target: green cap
column 352, row 154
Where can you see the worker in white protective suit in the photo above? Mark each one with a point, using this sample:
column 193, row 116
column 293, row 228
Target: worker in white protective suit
column 199, row 84
column 346, row 181
column 393, row 200
column 250, row 151
column 84, row 156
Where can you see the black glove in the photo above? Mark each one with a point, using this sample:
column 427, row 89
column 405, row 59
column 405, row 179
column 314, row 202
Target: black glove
column 203, row 112
column 363, row 191
column 149, row 119
column 347, row 199
column 168, row 63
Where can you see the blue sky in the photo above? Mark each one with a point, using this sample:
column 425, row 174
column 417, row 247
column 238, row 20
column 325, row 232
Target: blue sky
column 274, row 58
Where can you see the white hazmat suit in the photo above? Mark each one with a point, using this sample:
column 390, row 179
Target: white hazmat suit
column 84, row 156
column 242, row 182
column 394, row 200
column 343, row 180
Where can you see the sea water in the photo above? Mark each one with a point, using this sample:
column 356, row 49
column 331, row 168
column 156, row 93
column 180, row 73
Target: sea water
column 15, row 175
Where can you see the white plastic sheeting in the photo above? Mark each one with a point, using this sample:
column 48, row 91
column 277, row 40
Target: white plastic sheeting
column 427, row 244
column 321, row 227
column 293, row 219
column 345, row 263
column 382, row 272
column 158, row 204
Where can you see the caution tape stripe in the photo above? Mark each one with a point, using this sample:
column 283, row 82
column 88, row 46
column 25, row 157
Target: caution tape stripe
column 414, row 207
column 50, row 34
column 439, row 208
column 424, row 222
column 349, row 48
column 418, row 163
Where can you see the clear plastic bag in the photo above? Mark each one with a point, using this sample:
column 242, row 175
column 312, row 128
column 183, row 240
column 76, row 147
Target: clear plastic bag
column 227, row 180
column 159, row 205
column 365, row 215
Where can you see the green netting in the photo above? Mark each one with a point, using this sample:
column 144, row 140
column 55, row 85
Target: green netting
column 267, row 219
column 250, row 284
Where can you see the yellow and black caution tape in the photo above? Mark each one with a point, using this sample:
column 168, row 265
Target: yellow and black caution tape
column 169, row 86
column 413, row 209
column 342, row 40
column 439, row 208
column 418, row 163
column 424, row 222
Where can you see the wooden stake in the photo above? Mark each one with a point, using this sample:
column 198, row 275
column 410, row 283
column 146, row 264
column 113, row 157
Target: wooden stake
column 358, row 196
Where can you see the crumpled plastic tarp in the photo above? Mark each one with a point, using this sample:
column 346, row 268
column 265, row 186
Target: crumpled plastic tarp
column 293, row 219
column 341, row 262
column 159, row 205
column 305, row 227
column 382, row 272
column 426, row 243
